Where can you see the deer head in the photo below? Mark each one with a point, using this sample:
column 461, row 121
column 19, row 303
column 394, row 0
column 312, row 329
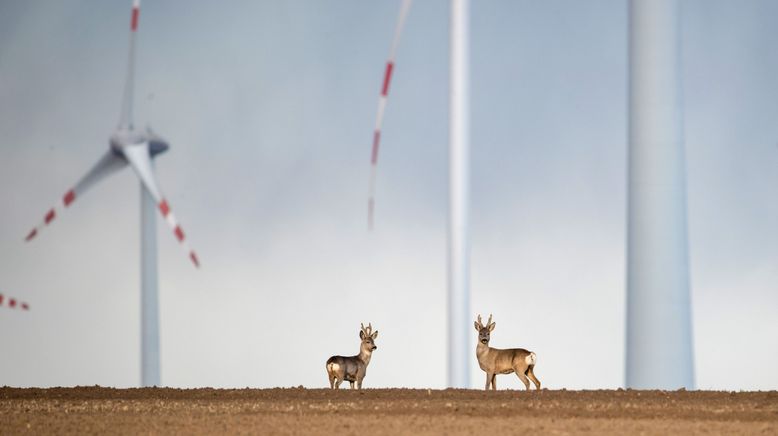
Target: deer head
column 367, row 335
column 484, row 331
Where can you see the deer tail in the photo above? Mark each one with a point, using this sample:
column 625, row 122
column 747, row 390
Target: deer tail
column 332, row 366
column 531, row 359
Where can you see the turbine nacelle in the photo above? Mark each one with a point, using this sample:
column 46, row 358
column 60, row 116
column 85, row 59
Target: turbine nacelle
column 127, row 137
column 157, row 144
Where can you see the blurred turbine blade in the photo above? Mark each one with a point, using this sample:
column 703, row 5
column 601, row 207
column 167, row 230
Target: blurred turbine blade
column 125, row 118
column 13, row 303
column 404, row 7
column 108, row 164
column 140, row 160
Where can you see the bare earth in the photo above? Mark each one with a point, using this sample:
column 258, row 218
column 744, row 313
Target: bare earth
column 89, row 410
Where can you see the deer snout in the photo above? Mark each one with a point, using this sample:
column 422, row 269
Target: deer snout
column 484, row 341
column 374, row 348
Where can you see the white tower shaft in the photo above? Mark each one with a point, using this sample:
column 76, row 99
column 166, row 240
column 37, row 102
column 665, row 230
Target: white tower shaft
column 150, row 372
column 459, row 317
column 659, row 333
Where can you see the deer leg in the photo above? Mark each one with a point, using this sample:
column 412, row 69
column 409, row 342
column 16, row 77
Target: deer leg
column 352, row 384
column 338, row 382
column 494, row 381
column 531, row 375
column 489, row 377
column 331, row 376
column 359, row 384
column 523, row 378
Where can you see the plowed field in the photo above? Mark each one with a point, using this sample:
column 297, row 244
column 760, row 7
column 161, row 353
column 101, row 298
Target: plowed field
column 89, row 410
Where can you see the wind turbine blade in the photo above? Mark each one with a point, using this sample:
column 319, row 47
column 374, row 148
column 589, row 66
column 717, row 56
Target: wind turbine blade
column 125, row 118
column 108, row 164
column 140, row 160
column 13, row 303
column 404, row 7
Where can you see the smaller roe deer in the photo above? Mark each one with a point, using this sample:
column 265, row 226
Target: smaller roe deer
column 353, row 368
column 495, row 361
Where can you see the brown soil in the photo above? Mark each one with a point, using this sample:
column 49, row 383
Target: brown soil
column 86, row 410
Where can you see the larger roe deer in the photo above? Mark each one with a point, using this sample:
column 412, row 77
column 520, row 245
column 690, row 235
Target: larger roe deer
column 353, row 368
column 496, row 361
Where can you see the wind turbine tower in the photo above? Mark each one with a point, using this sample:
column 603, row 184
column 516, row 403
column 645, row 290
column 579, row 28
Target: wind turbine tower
column 459, row 316
column 459, row 351
column 659, row 330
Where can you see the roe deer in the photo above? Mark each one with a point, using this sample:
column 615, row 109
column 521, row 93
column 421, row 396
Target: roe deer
column 353, row 368
column 495, row 361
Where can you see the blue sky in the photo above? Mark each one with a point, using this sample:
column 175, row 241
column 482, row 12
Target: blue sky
column 269, row 108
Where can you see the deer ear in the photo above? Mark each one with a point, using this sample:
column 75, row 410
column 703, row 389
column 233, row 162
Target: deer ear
column 374, row 335
column 361, row 334
column 491, row 326
column 477, row 326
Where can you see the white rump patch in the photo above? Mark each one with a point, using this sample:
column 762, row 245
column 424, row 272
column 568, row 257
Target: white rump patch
column 334, row 367
column 531, row 359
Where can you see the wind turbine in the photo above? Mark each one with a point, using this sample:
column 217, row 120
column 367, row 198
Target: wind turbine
column 135, row 148
column 658, row 302
column 459, row 185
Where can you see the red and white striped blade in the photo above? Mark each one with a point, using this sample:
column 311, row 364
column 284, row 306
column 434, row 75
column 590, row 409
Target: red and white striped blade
column 404, row 7
column 135, row 15
column 13, row 303
column 125, row 118
column 140, row 161
column 108, row 164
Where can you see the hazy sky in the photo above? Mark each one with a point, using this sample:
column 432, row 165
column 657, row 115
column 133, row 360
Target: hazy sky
column 269, row 108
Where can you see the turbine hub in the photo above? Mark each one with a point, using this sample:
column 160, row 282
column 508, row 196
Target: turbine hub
column 127, row 137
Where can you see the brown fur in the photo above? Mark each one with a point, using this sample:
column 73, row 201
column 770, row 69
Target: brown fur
column 353, row 369
column 495, row 361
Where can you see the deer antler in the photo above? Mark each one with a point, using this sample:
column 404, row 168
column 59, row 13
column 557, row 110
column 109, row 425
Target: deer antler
column 367, row 331
column 490, row 320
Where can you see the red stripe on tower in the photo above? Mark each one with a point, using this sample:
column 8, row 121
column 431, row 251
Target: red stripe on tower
column 134, row 22
column 11, row 302
column 50, row 216
column 387, row 78
column 164, row 208
column 25, row 306
column 69, row 197
column 374, row 155
column 179, row 233
column 1, row 299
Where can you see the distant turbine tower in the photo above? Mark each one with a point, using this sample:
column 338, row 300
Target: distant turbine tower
column 459, row 352
column 659, row 331
column 136, row 148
